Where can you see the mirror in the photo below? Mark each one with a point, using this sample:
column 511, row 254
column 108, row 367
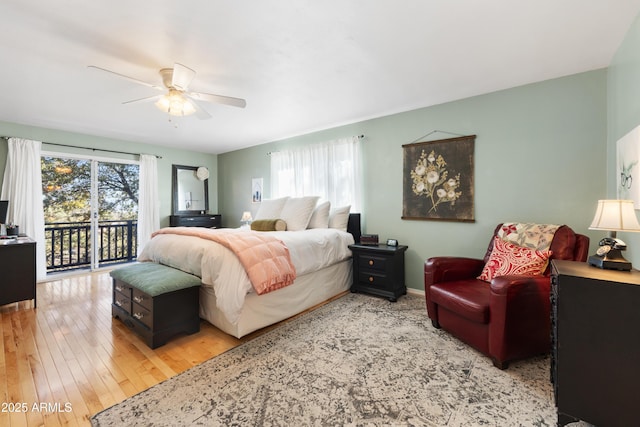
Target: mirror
column 190, row 194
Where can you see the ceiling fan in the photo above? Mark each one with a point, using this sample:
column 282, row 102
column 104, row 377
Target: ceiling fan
column 177, row 100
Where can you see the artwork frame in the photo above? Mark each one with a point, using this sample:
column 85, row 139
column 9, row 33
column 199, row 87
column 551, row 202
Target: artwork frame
column 256, row 190
column 438, row 180
column 628, row 168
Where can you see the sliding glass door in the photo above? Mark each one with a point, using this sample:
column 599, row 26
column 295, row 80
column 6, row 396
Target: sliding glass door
column 91, row 210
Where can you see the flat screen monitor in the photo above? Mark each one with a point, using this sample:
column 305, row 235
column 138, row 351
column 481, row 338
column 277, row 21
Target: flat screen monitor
column 4, row 205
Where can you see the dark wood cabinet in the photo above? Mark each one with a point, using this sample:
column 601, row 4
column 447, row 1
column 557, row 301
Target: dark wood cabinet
column 18, row 267
column 379, row 270
column 595, row 344
column 156, row 318
column 208, row 221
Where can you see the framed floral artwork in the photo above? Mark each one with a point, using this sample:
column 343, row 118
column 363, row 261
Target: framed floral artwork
column 438, row 180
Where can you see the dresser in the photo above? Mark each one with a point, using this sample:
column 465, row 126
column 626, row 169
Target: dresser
column 18, row 267
column 207, row 220
column 379, row 270
column 595, row 366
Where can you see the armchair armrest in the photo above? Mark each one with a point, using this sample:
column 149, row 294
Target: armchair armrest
column 520, row 315
column 447, row 269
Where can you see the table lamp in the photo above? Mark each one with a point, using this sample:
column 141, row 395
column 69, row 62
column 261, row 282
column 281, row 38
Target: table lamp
column 613, row 216
column 246, row 219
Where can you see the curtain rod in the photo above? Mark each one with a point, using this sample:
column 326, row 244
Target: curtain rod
column 87, row 148
column 361, row 136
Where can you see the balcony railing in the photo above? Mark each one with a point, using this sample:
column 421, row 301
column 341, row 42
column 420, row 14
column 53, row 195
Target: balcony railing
column 68, row 244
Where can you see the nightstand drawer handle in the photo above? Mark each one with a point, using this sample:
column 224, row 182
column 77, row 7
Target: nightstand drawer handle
column 138, row 316
column 118, row 303
column 119, row 288
column 371, row 279
column 138, row 299
column 370, row 262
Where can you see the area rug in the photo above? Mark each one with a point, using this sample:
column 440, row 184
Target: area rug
column 357, row 361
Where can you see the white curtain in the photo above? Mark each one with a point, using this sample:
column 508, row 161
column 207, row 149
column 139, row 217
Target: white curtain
column 148, row 201
column 22, row 187
column 331, row 170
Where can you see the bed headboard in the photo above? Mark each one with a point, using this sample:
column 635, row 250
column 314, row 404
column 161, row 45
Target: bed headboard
column 353, row 226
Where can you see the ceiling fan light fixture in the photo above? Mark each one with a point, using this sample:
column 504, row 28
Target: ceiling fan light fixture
column 176, row 104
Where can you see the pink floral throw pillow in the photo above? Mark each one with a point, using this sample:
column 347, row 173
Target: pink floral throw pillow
column 507, row 258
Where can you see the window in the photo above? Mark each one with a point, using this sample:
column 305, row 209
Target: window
column 331, row 170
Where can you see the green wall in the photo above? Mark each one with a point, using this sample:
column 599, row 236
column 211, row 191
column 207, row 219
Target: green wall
column 169, row 156
column 623, row 92
column 539, row 157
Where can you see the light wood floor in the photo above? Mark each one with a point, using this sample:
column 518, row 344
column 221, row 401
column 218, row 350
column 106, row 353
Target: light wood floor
column 68, row 359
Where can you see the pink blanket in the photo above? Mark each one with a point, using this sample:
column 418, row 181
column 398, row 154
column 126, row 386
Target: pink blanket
column 265, row 258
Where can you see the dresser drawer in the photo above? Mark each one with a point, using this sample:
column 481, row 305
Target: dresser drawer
column 207, row 221
column 122, row 288
column 121, row 301
column 143, row 315
column 142, row 299
column 372, row 262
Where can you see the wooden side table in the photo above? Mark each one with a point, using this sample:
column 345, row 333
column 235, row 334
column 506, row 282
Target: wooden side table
column 379, row 270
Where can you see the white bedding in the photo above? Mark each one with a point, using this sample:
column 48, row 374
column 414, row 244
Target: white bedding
column 219, row 268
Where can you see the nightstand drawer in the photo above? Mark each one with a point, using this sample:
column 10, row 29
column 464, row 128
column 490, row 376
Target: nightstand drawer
column 372, row 278
column 372, row 262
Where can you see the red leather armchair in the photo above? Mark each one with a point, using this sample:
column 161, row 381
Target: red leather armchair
column 506, row 319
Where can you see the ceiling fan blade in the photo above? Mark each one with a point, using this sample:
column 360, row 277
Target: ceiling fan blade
column 182, row 76
column 219, row 99
column 200, row 113
column 146, row 99
column 127, row 77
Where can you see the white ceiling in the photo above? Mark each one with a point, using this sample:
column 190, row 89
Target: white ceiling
column 302, row 65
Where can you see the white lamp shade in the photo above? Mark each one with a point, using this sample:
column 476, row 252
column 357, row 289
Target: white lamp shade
column 615, row 215
column 175, row 103
column 246, row 216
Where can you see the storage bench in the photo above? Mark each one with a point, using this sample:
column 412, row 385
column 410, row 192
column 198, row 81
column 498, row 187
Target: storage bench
column 156, row 301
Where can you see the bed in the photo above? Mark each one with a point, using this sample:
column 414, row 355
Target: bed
column 228, row 300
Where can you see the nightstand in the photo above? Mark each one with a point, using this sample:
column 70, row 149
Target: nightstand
column 379, row 270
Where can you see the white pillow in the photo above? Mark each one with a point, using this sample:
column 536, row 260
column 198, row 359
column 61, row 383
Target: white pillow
column 339, row 218
column 320, row 216
column 271, row 209
column 297, row 212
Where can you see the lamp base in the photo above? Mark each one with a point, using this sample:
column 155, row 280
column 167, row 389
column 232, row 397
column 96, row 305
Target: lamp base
column 612, row 260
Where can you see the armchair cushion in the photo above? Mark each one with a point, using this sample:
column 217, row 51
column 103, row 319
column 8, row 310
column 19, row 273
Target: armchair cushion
column 508, row 259
column 469, row 301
